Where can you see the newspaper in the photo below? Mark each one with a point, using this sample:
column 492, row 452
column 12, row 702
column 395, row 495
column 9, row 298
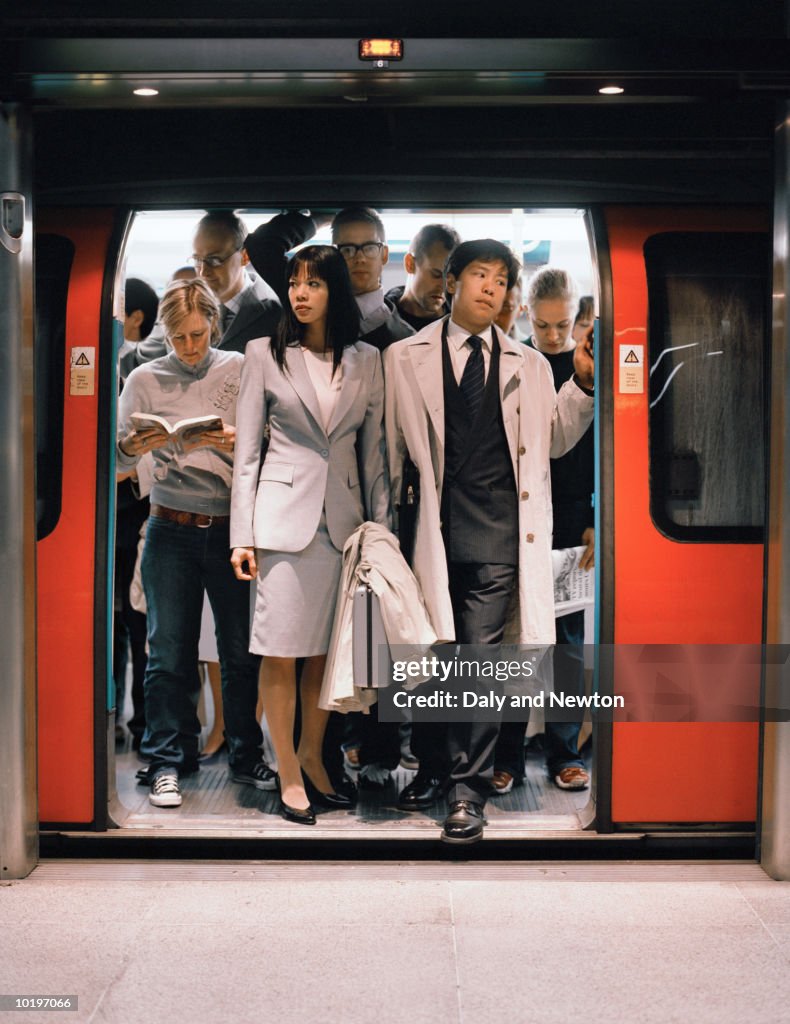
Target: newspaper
column 574, row 588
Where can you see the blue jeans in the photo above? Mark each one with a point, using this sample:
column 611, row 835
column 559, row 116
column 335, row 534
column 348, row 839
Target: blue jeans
column 179, row 563
column 562, row 738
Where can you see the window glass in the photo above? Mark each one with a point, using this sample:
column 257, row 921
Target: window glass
column 53, row 259
column 706, row 351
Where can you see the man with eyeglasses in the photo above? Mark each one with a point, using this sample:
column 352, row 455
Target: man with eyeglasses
column 249, row 308
column 358, row 232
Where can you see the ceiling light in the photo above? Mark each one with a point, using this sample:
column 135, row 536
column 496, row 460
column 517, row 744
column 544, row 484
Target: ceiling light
column 381, row 49
column 146, row 92
column 611, row 90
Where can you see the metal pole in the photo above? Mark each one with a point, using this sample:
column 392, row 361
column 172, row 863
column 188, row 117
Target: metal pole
column 775, row 804
column 18, row 791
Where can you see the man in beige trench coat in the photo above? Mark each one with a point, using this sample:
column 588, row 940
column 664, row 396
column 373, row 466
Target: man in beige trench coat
column 478, row 415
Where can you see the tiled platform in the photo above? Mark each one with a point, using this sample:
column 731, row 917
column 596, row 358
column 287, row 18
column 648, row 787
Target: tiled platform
column 500, row 943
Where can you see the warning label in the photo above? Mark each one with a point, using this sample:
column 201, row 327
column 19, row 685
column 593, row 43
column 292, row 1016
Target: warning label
column 632, row 370
column 82, row 366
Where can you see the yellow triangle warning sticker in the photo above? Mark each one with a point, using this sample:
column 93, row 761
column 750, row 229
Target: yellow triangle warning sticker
column 632, row 369
column 82, row 360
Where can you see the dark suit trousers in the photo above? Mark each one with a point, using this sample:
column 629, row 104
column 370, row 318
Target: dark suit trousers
column 571, row 519
column 480, row 596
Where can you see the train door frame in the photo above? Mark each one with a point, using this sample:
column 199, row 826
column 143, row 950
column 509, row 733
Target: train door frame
column 601, row 799
column 774, row 824
column 107, row 809
column 18, row 790
column 115, row 812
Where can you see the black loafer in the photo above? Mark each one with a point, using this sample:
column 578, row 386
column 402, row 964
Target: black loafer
column 423, row 791
column 464, row 823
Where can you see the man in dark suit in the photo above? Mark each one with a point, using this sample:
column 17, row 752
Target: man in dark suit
column 248, row 309
column 479, row 417
column 220, row 258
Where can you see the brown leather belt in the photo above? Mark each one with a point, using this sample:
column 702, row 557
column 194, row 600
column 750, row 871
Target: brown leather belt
column 187, row 518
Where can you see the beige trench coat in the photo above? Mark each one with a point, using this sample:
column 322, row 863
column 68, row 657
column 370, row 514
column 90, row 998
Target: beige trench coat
column 539, row 422
column 371, row 555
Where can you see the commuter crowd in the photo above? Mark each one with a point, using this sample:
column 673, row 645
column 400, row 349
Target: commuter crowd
column 297, row 405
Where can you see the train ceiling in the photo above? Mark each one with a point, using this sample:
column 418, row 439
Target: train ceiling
column 700, row 19
column 281, row 84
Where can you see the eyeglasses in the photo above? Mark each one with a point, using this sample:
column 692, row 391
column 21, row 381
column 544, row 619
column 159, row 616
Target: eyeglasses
column 368, row 249
column 211, row 261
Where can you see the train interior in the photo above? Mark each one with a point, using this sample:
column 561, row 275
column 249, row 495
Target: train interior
column 157, row 243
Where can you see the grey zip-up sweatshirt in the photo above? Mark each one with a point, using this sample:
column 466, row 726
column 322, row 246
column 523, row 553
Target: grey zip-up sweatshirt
column 200, row 480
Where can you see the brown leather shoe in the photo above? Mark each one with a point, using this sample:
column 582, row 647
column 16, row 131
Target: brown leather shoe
column 503, row 782
column 572, row 777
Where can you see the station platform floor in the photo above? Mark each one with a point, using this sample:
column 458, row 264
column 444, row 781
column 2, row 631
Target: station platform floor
column 407, row 942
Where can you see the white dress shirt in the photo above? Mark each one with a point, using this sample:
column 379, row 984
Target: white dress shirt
column 460, row 349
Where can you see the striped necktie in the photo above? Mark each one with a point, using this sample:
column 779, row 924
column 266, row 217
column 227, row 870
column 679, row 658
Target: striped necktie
column 473, row 377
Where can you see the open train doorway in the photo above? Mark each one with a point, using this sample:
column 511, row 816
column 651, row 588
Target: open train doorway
column 158, row 246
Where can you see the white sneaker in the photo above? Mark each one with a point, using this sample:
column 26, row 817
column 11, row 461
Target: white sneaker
column 165, row 791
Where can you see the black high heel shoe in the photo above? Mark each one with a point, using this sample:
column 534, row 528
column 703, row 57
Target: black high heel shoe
column 297, row 815
column 333, row 801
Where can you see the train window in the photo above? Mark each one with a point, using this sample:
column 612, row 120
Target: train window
column 53, row 260
column 706, row 354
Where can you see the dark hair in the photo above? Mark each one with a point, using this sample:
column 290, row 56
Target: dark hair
column 225, row 220
column 586, row 308
column 342, row 319
column 359, row 215
column 484, row 250
column 430, row 235
column 139, row 295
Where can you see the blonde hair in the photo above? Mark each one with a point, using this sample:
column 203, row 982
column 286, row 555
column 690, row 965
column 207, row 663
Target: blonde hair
column 552, row 283
column 185, row 297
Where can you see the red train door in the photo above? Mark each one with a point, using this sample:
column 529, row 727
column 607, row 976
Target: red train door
column 74, row 373
column 689, row 299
